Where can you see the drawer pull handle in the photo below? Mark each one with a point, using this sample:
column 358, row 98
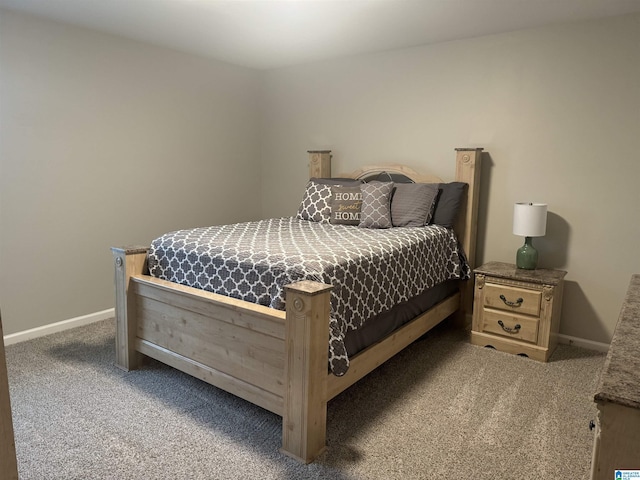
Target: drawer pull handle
column 515, row 329
column 508, row 303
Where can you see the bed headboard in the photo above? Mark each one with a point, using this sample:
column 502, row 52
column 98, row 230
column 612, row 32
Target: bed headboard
column 467, row 170
column 391, row 171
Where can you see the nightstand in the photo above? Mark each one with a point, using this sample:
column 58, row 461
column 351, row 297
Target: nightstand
column 517, row 311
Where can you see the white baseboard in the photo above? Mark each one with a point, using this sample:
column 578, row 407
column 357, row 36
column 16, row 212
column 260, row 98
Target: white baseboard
column 58, row 326
column 583, row 343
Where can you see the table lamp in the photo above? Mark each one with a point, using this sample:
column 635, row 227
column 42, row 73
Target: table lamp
column 529, row 220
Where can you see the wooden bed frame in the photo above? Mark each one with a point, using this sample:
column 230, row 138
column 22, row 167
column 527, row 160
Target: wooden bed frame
column 275, row 359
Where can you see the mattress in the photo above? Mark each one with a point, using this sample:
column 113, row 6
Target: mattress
column 371, row 270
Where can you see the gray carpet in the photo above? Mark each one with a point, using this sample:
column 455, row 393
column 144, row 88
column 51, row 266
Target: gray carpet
column 441, row 409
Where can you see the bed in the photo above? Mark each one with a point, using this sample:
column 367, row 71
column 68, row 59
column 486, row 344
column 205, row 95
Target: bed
column 277, row 359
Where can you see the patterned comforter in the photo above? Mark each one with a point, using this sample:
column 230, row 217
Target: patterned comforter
column 371, row 270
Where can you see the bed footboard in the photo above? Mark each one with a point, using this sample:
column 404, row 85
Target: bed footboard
column 274, row 359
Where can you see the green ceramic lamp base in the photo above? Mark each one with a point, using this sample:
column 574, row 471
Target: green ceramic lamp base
column 527, row 256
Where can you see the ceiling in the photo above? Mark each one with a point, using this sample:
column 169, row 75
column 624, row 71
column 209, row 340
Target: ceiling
column 267, row 34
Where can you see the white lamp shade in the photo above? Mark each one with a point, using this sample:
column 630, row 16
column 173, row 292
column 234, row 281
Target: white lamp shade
column 530, row 219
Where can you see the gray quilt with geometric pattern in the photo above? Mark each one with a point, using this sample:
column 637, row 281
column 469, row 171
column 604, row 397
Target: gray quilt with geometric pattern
column 370, row 269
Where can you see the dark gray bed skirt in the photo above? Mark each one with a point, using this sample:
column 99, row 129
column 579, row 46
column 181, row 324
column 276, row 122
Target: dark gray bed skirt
column 380, row 326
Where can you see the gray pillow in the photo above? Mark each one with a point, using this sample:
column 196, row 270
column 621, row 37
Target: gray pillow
column 411, row 204
column 316, row 203
column 448, row 203
column 346, row 205
column 376, row 205
column 344, row 182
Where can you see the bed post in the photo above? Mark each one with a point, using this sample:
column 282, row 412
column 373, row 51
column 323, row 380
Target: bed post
column 319, row 163
column 128, row 261
column 304, row 416
column 468, row 171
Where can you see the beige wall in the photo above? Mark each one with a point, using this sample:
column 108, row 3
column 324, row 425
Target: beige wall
column 557, row 109
column 105, row 141
column 95, row 131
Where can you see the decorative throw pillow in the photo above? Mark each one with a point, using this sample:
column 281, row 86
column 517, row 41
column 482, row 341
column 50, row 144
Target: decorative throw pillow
column 411, row 204
column 343, row 182
column 316, row 203
column 346, row 204
column 448, row 203
column 376, row 203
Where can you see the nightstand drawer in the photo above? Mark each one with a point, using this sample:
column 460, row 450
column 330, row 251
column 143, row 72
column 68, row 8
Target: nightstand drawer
column 512, row 326
column 512, row 299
